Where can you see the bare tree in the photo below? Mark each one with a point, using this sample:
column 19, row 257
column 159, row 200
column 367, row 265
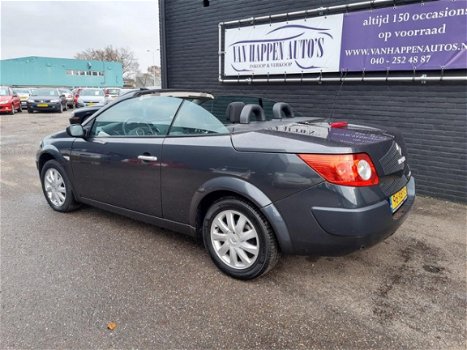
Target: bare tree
column 124, row 56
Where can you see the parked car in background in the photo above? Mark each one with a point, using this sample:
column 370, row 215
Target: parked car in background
column 90, row 96
column 9, row 100
column 251, row 184
column 23, row 94
column 75, row 92
column 111, row 93
column 47, row 99
column 127, row 90
column 79, row 115
column 68, row 96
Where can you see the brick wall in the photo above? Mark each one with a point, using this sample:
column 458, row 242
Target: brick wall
column 432, row 116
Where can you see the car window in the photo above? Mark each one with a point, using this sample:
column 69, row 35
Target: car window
column 193, row 119
column 21, row 91
column 89, row 92
column 45, row 92
column 143, row 116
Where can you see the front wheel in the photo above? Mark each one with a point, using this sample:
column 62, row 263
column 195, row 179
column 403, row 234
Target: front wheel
column 12, row 112
column 57, row 187
column 239, row 239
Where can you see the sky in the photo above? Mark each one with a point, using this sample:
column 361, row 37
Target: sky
column 64, row 28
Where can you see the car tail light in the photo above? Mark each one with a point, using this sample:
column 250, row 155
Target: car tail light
column 338, row 125
column 343, row 169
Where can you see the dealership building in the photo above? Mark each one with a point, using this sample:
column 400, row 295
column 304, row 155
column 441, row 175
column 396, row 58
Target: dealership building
column 60, row 72
column 389, row 64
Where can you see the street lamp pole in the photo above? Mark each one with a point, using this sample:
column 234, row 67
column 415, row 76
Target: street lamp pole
column 153, row 65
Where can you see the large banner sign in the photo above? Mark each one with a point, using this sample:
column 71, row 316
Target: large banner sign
column 422, row 36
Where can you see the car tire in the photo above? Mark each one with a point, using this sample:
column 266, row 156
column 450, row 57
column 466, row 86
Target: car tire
column 20, row 109
column 60, row 109
column 12, row 112
column 239, row 239
column 57, row 187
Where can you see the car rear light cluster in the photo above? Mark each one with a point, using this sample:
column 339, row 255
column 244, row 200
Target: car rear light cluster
column 343, row 169
column 338, row 125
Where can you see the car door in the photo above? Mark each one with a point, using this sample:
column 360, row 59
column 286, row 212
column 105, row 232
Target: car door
column 119, row 162
column 196, row 149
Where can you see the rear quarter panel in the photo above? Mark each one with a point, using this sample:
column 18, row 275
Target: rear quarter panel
column 188, row 163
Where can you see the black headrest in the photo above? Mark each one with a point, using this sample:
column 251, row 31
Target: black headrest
column 282, row 110
column 252, row 112
column 233, row 111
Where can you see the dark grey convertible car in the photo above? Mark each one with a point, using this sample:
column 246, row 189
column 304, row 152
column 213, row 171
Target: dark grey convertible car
column 247, row 175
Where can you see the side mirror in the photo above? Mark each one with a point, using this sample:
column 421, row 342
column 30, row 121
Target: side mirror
column 75, row 130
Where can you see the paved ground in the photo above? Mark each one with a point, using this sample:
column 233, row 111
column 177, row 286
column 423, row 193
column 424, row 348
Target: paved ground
column 65, row 276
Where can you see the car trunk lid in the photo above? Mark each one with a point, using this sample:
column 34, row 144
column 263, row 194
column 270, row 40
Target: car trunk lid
column 385, row 147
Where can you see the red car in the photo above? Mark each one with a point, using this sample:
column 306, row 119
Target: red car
column 9, row 101
column 75, row 93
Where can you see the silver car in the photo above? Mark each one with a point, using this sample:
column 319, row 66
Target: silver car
column 90, row 97
column 68, row 96
column 23, row 94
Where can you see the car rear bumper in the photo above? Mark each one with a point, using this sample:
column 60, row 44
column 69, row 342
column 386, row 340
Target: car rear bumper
column 333, row 230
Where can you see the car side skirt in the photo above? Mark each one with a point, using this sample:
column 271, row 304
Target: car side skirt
column 153, row 220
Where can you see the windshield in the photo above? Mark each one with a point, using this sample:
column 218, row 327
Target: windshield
column 4, row 92
column 22, row 91
column 45, row 92
column 91, row 92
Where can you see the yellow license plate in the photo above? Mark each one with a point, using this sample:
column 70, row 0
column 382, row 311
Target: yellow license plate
column 42, row 105
column 398, row 198
column 90, row 104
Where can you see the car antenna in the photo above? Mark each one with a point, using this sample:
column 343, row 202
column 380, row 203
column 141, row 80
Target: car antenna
column 343, row 75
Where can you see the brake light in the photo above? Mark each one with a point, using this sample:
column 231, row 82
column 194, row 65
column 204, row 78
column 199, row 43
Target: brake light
column 338, row 125
column 343, row 169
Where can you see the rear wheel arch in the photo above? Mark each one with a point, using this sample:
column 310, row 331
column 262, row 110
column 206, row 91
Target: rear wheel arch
column 207, row 201
column 218, row 188
column 239, row 238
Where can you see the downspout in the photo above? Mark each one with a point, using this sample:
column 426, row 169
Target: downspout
column 163, row 45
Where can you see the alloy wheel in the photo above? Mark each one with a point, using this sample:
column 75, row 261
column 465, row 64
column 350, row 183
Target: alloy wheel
column 55, row 187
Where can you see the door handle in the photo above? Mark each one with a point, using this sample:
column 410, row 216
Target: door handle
column 147, row 158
